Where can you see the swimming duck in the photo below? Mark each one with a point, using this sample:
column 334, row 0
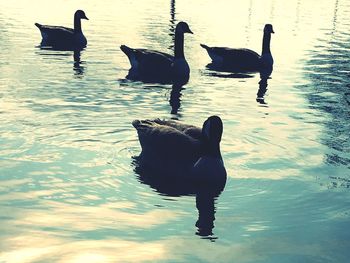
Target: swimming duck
column 155, row 66
column 183, row 152
column 64, row 37
column 241, row 59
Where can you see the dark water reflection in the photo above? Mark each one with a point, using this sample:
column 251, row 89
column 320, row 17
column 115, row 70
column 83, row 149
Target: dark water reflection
column 214, row 71
column 329, row 92
column 206, row 197
column 205, row 203
column 78, row 64
column 172, row 24
column 78, row 67
column 260, row 96
column 175, row 101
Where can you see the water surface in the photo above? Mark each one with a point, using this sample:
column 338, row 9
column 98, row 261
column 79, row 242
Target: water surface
column 68, row 190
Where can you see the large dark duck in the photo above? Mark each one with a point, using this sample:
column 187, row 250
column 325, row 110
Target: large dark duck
column 182, row 153
column 63, row 37
column 155, row 66
column 241, row 59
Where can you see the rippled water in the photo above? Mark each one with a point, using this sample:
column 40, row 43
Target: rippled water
column 68, row 190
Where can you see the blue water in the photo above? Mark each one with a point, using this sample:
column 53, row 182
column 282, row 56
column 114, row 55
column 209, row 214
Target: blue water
column 68, row 189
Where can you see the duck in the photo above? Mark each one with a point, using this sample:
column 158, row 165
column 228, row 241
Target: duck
column 242, row 59
column 183, row 153
column 155, row 66
column 63, row 37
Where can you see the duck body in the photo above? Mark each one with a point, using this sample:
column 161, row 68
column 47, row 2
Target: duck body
column 168, row 144
column 234, row 58
column 180, row 153
column 155, row 66
column 241, row 59
column 63, row 37
column 148, row 65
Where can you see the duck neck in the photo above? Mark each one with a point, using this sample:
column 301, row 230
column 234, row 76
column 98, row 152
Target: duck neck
column 179, row 45
column 266, row 44
column 212, row 150
column 77, row 24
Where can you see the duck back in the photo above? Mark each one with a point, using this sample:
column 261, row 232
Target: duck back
column 168, row 147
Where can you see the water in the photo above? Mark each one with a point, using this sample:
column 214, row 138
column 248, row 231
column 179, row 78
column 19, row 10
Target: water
column 68, row 190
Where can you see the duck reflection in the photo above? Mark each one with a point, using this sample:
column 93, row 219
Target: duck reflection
column 260, row 96
column 206, row 197
column 175, row 101
column 261, row 91
column 175, row 94
column 172, row 24
column 205, row 203
column 78, row 64
column 220, row 73
column 58, row 54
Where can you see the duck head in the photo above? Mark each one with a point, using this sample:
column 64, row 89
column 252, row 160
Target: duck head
column 182, row 27
column 212, row 129
column 80, row 14
column 268, row 29
column 211, row 135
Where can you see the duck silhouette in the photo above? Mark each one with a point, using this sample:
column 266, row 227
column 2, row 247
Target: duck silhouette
column 59, row 37
column 180, row 159
column 155, row 66
column 182, row 153
column 242, row 59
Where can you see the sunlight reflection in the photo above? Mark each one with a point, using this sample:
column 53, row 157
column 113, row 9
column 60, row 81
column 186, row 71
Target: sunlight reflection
column 42, row 247
column 87, row 218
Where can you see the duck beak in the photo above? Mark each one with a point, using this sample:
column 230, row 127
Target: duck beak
column 84, row 17
column 273, row 32
column 189, row 31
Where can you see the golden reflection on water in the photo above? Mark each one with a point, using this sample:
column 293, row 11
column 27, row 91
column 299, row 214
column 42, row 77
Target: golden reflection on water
column 38, row 246
column 26, row 244
column 75, row 217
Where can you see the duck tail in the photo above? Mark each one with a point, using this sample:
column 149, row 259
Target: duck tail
column 136, row 123
column 126, row 50
column 205, row 46
column 143, row 125
column 132, row 56
column 38, row 25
